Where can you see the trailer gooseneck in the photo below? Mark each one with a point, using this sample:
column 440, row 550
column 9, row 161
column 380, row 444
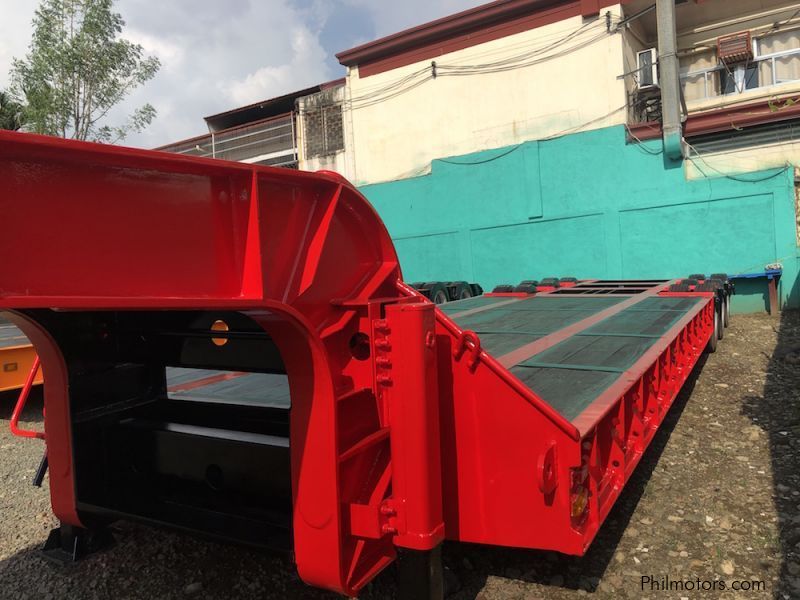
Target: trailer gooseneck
column 510, row 419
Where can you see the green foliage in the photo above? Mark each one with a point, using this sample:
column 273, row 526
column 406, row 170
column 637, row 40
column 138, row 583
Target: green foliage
column 77, row 69
column 11, row 112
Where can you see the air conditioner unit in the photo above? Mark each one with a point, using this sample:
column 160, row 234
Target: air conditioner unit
column 735, row 48
column 647, row 69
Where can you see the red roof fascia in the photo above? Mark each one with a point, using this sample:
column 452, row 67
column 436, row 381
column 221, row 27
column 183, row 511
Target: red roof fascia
column 729, row 118
column 463, row 30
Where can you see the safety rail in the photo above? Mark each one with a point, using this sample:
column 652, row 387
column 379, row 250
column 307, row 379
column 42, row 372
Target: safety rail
column 272, row 141
column 20, row 406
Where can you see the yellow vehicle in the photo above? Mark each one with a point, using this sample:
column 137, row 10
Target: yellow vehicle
column 16, row 358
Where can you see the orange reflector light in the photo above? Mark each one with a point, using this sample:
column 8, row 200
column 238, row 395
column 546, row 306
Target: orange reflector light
column 580, row 502
column 219, row 326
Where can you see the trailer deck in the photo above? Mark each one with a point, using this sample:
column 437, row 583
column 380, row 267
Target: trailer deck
column 570, row 348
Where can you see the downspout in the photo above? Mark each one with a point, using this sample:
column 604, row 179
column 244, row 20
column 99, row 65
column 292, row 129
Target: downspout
column 669, row 79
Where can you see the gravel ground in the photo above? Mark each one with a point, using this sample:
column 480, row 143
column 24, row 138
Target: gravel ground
column 716, row 498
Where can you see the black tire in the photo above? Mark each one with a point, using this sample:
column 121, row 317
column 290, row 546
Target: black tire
column 708, row 286
column 721, row 301
column 476, row 289
column 438, row 293
column 568, row 280
column 679, row 287
column 689, row 281
column 526, row 289
column 462, row 291
column 719, row 276
column 711, row 347
column 503, row 289
column 698, row 276
column 726, row 313
column 549, row 282
column 529, row 282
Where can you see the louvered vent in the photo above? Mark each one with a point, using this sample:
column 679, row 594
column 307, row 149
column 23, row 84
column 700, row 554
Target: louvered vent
column 734, row 48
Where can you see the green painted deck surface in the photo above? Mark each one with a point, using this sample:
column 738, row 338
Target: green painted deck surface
column 574, row 372
column 256, row 389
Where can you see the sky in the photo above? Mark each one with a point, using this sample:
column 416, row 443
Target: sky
column 216, row 55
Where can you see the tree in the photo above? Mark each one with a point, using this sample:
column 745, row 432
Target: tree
column 11, row 112
column 78, row 69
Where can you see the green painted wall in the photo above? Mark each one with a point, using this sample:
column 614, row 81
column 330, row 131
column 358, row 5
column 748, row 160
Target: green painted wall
column 591, row 206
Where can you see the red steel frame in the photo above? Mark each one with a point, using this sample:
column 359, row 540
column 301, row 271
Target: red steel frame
column 22, row 401
column 430, row 438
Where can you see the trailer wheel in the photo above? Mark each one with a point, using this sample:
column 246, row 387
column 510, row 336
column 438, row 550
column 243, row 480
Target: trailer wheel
column 678, row 287
column 711, row 347
column 463, row 291
column 697, row 276
column 503, row 289
column 726, row 311
column 438, row 293
column 526, row 288
column 476, row 289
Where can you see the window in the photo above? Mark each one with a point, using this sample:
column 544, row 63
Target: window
column 779, row 57
column 324, row 131
column 698, row 74
column 776, row 60
column 734, row 79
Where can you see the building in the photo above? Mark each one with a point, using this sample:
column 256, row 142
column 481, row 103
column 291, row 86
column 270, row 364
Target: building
column 523, row 139
column 263, row 133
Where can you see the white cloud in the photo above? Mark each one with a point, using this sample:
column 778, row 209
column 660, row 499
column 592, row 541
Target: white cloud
column 219, row 55
column 269, row 81
column 15, row 21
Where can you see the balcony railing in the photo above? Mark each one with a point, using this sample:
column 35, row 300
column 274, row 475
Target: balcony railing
column 272, row 142
column 760, row 72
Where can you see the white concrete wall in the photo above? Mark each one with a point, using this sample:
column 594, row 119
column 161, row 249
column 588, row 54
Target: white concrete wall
column 743, row 161
column 397, row 137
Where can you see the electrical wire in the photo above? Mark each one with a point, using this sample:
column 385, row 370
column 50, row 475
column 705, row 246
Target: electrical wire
column 516, row 147
column 583, row 125
column 641, row 145
column 371, row 100
column 530, row 53
column 399, row 92
column 484, row 161
column 412, row 81
column 728, row 176
column 780, row 24
column 445, row 70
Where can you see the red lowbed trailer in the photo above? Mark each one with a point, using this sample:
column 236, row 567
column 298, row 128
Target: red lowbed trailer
column 511, row 419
